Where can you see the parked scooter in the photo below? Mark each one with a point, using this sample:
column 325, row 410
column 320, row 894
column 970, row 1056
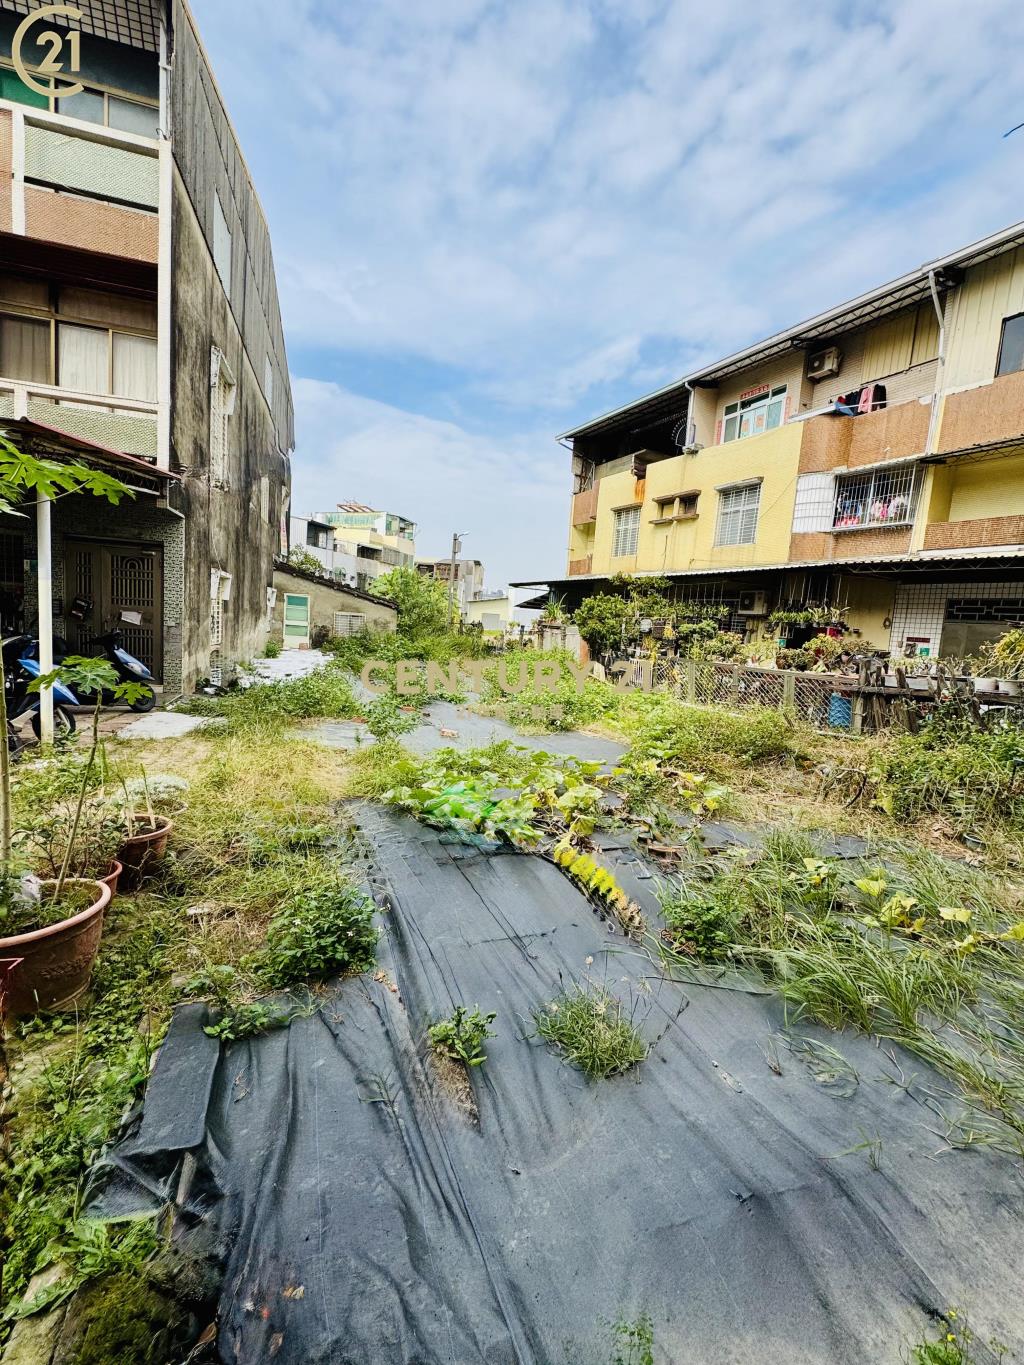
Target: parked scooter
column 128, row 669
column 20, row 669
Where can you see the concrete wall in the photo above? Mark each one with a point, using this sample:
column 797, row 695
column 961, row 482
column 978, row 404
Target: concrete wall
column 225, row 527
column 324, row 601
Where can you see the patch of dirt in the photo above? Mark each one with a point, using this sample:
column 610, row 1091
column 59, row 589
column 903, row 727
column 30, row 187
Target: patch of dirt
column 452, row 1080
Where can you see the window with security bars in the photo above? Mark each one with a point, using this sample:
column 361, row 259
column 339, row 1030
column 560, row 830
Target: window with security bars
column 222, row 403
column 882, row 498
column 348, row 622
column 737, row 515
column 626, row 531
column 216, row 623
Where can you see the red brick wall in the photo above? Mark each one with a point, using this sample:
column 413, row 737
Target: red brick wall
column 962, row 535
column 990, row 413
column 91, row 224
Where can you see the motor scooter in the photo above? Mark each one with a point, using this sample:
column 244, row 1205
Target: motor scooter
column 20, row 669
column 128, row 669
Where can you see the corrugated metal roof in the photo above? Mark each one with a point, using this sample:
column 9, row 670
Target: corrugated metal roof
column 878, row 302
column 929, row 561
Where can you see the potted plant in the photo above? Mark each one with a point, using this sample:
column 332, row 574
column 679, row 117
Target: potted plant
column 146, row 844
column 100, row 835
column 52, row 927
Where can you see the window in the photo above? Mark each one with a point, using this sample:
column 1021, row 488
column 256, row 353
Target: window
column 221, row 244
column 81, row 339
column 348, row 622
column 1011, row 346
column 25, row 349
column 216, row 623
column 737, row 515
column 884, row 498
column 264, row 498
column 627, row 531
column 268, row 381
column 677, row 507
column 222, row 404
column 91, row 105
column 750, row 416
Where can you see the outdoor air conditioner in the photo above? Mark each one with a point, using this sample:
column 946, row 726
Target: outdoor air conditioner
column 824, row 364
column 753, row 604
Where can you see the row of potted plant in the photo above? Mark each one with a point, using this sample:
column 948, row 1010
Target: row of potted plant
column 59, row 871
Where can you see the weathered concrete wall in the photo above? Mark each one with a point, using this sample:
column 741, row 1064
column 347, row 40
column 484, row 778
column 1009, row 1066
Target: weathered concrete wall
column 225, row 527
column 324, row 600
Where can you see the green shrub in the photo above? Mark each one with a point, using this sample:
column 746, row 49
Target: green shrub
column 272, row 649
column 318, row 934
column 670, row 732
column 971, row 777
column 462, row 1035
column 566, row 706
column 698, row 922
column 590, row 1029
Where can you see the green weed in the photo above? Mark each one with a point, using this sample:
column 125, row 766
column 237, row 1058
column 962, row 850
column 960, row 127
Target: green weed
column 590, row 1028
column 462, row 1035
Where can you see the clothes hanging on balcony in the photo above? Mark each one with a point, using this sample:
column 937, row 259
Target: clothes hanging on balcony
column 872, row 397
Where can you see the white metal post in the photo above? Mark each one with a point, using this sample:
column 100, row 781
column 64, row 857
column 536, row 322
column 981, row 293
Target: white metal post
column 44, row 573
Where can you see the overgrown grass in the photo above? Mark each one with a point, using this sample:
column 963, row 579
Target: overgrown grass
column 555, row 699
column 914, row 949
column 326, row 692
column 591, row 1029
column 253, row 896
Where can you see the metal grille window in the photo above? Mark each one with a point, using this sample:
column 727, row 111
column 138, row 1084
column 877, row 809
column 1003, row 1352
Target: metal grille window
column 348, row 622
column 222, row 404
column 882, row 498
column 626, row 531
column 216, row 623
column 737, row 515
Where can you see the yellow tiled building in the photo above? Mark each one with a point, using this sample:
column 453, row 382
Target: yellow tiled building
column 870, row 459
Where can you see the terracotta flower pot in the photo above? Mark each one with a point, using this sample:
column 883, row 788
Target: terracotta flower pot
column 141, row 853
column 111, row 878
column 56, row 962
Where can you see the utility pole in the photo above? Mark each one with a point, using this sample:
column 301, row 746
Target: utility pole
column 456, row 547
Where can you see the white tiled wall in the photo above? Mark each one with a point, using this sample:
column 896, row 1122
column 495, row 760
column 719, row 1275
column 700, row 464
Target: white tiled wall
column 920, row 610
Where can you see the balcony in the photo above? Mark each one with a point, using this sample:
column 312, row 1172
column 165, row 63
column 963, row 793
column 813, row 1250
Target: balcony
column 974, row 533
column 78, row 184
column 994, row 412
column 580, row 566
column 124, row 424
column 892, row 433
column 584, row 507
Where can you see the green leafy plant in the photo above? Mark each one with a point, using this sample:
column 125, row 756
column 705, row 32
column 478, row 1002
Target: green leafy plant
column 462, row 1035
column 305, row 561
column 272, row 649
column 953, row 1344
column 590, row 1028
column 699, row 923
column 89, row 1249
column 386, row 719
column 317, row 934
column 246, row 1021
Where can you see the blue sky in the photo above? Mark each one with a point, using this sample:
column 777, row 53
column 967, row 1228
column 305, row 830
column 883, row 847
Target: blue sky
column 492, row 221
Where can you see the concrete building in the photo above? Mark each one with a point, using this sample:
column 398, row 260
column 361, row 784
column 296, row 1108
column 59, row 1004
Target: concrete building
column 867, row 463
column 469, row 578
column 140, row 329
column 376, row 541
column 318, row 539
column 308, row 608
column 500, row 609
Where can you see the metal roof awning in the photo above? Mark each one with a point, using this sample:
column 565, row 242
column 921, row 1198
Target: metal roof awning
column 42, row 439
column 891, row 565
column 879, row 302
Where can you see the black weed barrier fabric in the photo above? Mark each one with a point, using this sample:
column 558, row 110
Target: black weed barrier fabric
column 358, row 1215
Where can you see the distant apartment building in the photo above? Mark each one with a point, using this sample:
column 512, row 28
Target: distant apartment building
column 367, row 542
column 868, row 461
column 469, row 578
column 140, row 332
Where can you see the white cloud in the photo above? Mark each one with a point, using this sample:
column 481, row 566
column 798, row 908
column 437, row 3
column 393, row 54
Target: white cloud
column 510, row 498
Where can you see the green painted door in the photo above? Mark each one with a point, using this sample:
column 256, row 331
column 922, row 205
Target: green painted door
column 296, row 620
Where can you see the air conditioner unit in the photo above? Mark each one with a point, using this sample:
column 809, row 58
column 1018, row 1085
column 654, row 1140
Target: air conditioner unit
column 753, row 604
column 824, row 364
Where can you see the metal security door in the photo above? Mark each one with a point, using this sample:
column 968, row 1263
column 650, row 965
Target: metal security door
column 106, row 584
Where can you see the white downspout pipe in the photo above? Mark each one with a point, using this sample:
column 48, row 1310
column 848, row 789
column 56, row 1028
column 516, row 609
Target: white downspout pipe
column 940, row 367
column 44, row 587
